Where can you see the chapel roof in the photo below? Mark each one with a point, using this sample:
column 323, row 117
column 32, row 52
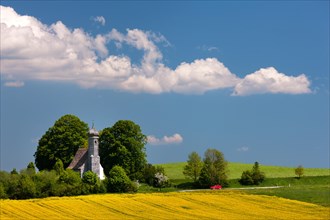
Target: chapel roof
column 79, row 159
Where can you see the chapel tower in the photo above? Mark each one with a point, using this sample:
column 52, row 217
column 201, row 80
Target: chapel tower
column 93, row 158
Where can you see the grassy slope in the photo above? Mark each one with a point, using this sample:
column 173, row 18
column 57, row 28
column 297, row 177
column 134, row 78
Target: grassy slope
column 174, row 170
column 314, row 187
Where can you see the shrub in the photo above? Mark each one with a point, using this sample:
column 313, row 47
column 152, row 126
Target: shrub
column 3, row 194
column 91, row 183
column 45, row 183
column 69, row 184
column 253, row 177
column 161, row 180
column 149, row 173
column 246, row 178
column 118, row 181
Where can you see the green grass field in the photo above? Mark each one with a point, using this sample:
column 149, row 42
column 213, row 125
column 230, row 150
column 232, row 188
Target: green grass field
column 174, row 170
column 313, row 187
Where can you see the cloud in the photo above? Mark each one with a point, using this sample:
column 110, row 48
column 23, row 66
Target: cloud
column 99, row 19
column 243, row 149
column 57, row 53
column 269, row 80
column 174, row 139
column 16, row 84
column 208, row 48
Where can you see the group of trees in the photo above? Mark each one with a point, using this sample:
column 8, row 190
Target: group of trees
column 252, row 177
column 122, row 153
column 57, row 182
column 213, row 169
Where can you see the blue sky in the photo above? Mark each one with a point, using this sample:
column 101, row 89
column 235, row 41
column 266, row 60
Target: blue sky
column 249, row 78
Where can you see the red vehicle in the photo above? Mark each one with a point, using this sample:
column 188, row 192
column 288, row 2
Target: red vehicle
column 216, row 187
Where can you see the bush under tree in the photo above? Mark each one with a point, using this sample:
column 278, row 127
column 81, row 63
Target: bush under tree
column 149, row 172
column 118, row 181
column 161, row 180
column 91, row 183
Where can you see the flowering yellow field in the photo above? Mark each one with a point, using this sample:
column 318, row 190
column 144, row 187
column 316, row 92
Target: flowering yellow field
column 178, row 205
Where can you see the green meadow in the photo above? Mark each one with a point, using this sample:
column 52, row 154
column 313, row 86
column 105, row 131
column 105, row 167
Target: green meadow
column 174, row 170
column 313, row 187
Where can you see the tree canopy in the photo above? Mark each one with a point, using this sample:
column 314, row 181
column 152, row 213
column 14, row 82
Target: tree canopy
column 214, row 169
column 123, row 144
column 193, row 167
column 61, row 141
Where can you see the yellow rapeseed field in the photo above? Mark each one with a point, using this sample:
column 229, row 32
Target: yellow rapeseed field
column 178, row 205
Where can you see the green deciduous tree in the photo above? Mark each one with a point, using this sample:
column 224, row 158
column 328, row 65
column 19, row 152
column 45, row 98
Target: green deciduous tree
column 253, row 177
column 69, row 183
column 246, row 178
column 3, row 194
column 91, row 183
column 118, row 181
column 21, row 187
column 46, row 182
column 14, row 171
column 123, row 145
column 31, row 168
column 299, row 171
column 194, row 166
column 61, row 141
column 149, row 172
column 214, row 170
column 257, row 176
column 58, row 167
column 90, row 178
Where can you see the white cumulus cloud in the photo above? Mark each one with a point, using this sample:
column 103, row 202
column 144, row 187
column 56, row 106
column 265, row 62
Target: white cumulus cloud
column 269, row 80
column 58, row 53
column 174, row 139
column 99, row 19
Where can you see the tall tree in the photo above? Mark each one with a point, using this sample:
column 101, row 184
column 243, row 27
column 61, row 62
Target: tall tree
column 123, row 145
column 257, row 175
column 61, row 141
column 214, row 169
column 193, row 167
